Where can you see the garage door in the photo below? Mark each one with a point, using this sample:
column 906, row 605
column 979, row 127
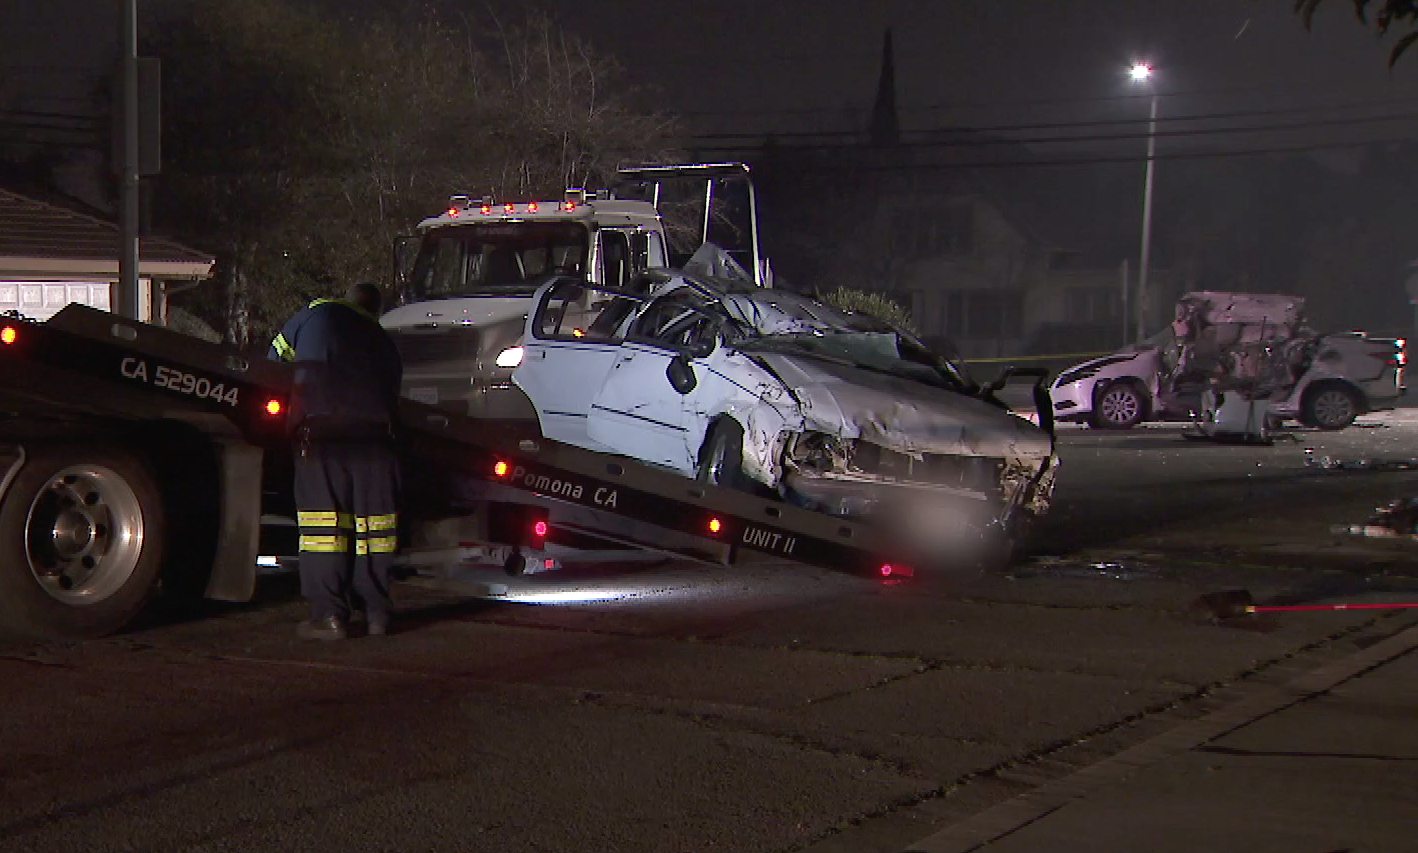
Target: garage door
column 40, row 300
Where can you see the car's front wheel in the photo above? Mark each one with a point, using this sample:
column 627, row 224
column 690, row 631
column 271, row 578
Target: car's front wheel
column 1120, row 405
column 721, row 457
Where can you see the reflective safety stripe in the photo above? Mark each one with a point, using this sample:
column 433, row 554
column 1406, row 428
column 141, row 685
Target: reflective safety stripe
column 377, row 545
column 369, row 524
column 283, row 348
column 324, row 544
column 324, row 518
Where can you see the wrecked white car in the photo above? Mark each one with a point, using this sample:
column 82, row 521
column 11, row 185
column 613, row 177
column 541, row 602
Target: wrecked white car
column 773, row 392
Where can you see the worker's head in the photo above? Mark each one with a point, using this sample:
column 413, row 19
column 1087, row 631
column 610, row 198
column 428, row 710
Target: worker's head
column 365, row 295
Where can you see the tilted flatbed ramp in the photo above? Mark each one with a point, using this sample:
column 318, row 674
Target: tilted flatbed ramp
column 89, row 365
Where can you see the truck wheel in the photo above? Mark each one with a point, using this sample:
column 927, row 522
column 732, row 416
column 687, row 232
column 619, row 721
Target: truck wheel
column 1330, row 407
column 721, row 457
column 1121, row 405
column 82, row 529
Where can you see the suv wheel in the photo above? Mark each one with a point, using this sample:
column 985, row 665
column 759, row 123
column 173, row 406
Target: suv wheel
column 1330, row 407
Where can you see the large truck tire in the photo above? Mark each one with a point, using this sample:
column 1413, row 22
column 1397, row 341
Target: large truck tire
column 81, row 541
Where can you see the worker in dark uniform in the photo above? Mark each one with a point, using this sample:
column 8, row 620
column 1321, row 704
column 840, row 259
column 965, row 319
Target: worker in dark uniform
column 343, row 416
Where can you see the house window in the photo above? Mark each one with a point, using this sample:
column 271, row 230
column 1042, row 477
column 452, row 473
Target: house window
column 982, row 313
column 1091, row 304
column 927, row 232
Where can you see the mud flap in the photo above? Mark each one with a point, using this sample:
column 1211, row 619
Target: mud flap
column 233, row 575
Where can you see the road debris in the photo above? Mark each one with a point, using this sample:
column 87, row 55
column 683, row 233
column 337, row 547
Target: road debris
column 1366, row 463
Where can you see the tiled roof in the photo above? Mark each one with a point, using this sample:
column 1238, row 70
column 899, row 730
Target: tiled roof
column 34, row 230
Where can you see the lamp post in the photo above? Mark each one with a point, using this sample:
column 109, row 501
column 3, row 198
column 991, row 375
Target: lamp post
column 1141, row 74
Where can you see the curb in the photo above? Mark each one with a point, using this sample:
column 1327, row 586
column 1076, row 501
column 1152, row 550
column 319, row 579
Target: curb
column 1008, row 817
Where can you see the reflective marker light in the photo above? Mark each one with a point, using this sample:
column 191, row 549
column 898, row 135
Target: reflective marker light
column 568, row 206
column 531, row 207
column 539, row 529
column 453, row 211
column 500, row 469
column 510, row 357
column 486, row 208
column 8, row 335
column 273, row 407
column 508, row 207
column 715, row 525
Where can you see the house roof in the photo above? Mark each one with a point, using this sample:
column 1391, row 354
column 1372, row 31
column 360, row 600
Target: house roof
column 40, row 240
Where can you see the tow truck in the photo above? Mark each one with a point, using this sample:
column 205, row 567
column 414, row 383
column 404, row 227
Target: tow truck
column 476, row 264
column 133, row 458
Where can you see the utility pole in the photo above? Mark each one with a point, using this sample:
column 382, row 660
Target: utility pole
column 1123, row 290
column 127, row 301
column 1142, row 295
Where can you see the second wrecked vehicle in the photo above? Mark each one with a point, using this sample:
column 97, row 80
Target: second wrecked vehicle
column 776, row 393
column 1256, row 341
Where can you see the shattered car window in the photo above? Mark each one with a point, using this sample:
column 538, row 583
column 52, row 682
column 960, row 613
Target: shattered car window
column 680, row 320
column 882, row 352
column 572, row 311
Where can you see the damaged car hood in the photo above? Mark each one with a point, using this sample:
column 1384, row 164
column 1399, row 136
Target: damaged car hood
column 904, row 414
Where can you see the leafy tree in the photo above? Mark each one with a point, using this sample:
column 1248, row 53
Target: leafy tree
column 297, row 147
column 1386, row 15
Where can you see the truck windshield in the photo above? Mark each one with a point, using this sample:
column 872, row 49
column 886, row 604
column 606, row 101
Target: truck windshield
column 496, row 258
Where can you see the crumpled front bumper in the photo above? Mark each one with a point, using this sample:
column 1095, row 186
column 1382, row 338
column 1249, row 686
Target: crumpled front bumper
column 935, row 518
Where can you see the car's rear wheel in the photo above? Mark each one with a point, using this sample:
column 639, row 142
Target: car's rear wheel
column 721, row 457
column 1330, row 407
column 1120, row 405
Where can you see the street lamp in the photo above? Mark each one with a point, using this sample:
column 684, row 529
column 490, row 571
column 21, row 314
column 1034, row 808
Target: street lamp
column 1141, row 74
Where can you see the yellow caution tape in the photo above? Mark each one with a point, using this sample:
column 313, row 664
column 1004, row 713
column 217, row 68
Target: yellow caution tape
column 1077, row 355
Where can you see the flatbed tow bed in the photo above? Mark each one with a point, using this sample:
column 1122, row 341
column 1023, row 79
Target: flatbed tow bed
column 133, row 456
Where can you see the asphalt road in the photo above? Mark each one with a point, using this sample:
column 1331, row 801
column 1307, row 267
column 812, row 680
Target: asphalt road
column 767, row 707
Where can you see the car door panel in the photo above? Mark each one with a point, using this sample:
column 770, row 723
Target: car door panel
column 636, row 411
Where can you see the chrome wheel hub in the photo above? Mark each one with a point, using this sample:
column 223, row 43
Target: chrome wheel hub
column 84, row 534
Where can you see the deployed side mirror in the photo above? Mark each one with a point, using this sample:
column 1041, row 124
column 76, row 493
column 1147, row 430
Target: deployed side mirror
column 681, row 374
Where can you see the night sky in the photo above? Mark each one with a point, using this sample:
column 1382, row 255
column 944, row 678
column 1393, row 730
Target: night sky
column 795, row 65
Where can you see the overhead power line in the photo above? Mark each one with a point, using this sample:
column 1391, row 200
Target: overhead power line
column 1110, row 137
column 1061, row 125
column 1287, row 86
column 1096, row 161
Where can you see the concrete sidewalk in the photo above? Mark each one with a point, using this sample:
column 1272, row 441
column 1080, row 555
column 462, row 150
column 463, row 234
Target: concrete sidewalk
column 1326, row 763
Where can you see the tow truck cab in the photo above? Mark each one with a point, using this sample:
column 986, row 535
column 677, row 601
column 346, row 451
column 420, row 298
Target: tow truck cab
column 461, row 311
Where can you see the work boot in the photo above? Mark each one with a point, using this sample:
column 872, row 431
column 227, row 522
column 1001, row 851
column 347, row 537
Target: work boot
column 329, row 628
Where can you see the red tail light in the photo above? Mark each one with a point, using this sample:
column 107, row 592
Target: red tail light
column 715, row 525
column 499, row 469
column 9, row 335
column 540, row 528
column 273, row 407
